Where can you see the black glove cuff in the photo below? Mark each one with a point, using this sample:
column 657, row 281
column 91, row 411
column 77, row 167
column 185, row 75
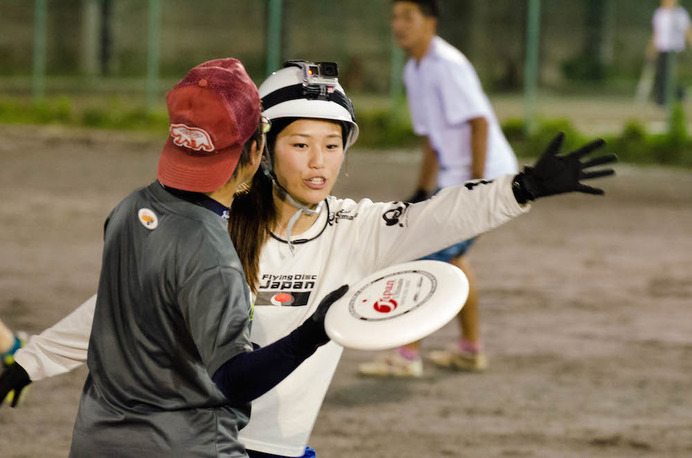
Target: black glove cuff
column 524, row 186
column 419, row 196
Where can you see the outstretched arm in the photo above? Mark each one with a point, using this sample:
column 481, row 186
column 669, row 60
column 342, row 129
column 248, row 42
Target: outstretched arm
column 60, row 348
column 57, row 350
column 399, row 232
column 249, row 375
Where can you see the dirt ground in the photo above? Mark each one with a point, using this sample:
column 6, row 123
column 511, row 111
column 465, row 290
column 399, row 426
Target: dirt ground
column 586, row 311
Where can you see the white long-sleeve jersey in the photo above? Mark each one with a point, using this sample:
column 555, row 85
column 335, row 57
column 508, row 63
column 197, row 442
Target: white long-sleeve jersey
column 347, row 242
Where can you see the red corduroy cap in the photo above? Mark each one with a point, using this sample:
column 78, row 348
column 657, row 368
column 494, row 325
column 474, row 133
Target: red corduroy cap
column 213, row 111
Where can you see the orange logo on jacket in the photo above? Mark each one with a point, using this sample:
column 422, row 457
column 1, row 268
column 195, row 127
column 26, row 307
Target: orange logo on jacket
column 191, row 137
column 148, row 218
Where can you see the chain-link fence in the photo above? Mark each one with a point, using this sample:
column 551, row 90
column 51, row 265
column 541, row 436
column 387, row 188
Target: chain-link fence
column 581, row 40
column 591, row 52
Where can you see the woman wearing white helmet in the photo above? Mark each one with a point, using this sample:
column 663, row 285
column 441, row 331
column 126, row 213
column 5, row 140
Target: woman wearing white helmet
column 311, row 242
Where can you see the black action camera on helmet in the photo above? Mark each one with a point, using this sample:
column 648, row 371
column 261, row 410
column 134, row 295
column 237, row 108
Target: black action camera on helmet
column 316, row 73
column 320, row 80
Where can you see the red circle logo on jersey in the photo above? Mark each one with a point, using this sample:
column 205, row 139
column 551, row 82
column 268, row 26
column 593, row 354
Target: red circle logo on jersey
column 385, row 305
column 282, row 299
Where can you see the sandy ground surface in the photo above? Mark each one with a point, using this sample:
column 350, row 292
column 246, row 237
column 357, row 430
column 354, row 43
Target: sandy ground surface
column 586, row 311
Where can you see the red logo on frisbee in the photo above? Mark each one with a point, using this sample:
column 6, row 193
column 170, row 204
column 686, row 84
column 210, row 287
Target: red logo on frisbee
column 385, row 305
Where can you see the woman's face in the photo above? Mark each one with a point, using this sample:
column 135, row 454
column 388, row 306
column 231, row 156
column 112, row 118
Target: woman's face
column 307, row 158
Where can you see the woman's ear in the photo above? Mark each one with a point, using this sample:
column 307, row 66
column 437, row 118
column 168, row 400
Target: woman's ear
column 256, row 153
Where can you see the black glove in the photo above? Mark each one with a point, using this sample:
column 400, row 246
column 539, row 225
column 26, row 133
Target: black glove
column 419, row 196
column 311, row 334
column 14, row 378
column 555, row 174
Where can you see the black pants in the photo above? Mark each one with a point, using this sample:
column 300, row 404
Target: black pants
column 665, row 63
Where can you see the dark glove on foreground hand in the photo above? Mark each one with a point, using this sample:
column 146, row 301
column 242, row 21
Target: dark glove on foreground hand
column 554, row 174
column 311, row 333
column 14, row 378
column 419, row 196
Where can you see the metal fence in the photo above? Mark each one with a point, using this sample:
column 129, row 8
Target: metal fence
column 589, row 48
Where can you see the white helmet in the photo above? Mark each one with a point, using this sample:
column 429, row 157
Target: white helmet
column 308, row 90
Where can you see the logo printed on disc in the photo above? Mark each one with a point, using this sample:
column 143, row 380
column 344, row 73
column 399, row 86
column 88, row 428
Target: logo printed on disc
column 148, row 218
column 392, row 295
column 385, row 305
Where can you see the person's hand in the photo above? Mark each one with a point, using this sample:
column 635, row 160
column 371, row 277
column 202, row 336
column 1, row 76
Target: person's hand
column 419, row 196
column 311, row 334
column 554, row 174
column 12, row 381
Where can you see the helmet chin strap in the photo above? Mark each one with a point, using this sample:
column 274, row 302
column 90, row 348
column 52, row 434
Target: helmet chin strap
column 269, row 172
column 301, row 209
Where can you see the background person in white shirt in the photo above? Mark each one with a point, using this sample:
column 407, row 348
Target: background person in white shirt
column 671, row 32
column 463, row 141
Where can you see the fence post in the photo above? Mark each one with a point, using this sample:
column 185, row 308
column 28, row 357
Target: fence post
column 90, row 35
column 153, row 40
column 38, row 80
column 274, row 35
column 397, row 60
column 533, row 25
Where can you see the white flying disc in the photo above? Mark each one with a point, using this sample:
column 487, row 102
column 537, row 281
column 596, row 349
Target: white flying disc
column 397, row 305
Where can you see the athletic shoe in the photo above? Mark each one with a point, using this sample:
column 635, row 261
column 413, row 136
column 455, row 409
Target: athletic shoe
column 392, row 364
column 456, row 359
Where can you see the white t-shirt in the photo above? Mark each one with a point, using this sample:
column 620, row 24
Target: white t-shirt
column 444, row 93
column 347, row 242
column 670, row 26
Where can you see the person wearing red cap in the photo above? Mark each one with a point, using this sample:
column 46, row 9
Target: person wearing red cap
column 171, row 367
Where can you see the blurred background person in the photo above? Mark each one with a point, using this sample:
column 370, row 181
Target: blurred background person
column 462, row 141
column 671, row 32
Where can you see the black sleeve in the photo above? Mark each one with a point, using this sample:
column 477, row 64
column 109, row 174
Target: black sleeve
column 249, row 375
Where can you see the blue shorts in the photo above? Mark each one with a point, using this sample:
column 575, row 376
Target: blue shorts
column 309, row 453
column 451, row 252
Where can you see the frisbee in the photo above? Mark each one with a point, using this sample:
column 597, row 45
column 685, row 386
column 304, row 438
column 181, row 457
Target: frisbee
column 397, row 305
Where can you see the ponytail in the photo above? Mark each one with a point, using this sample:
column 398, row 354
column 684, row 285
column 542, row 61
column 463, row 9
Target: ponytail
column 252, row 216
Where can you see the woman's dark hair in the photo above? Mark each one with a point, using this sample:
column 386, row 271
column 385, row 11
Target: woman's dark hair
column 251, row 218
column 245, row 154
column 253, row 214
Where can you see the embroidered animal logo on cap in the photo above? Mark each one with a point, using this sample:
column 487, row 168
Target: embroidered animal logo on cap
column 191, row 137
column 148, row 218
